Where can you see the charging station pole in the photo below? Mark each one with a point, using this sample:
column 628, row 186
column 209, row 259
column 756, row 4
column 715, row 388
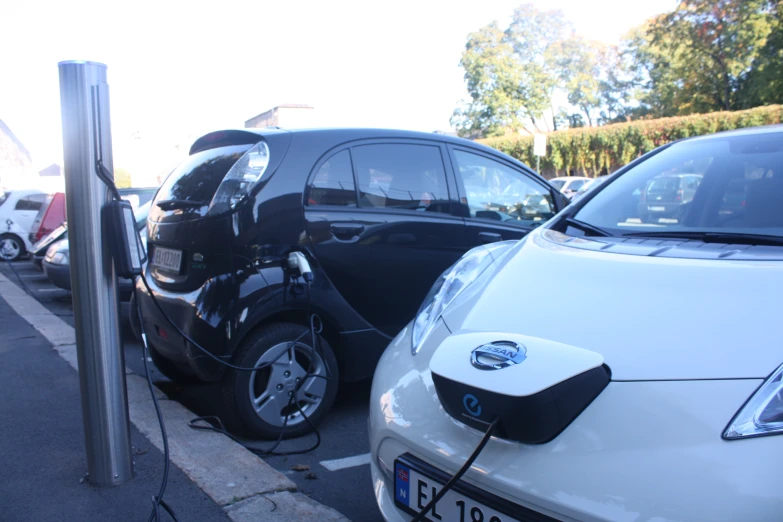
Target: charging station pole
column 86, row 137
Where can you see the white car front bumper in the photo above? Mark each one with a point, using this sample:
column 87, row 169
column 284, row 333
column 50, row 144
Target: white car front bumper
column 641, row 451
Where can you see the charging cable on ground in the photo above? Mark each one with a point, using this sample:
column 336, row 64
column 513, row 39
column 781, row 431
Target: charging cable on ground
column 316, row 327
column 129, row 258
column 156, row 500
column 453, row 480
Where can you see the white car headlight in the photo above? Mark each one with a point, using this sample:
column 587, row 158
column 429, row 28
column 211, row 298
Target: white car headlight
column 449, row 285
column 762, row 414
column 60, row 258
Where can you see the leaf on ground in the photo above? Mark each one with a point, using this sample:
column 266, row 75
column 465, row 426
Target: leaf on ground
column 300, row 467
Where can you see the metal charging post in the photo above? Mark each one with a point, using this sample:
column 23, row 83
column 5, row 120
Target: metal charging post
column 87, row 139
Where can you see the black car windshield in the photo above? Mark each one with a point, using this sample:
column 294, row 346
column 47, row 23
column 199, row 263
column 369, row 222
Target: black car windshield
column 4, row 196
column 723, row 184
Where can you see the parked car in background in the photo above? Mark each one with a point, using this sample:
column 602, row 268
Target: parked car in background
column 18, row 209
column 50, row 216
column 378, row 214
column 57, row 263
column 590, row 185
column 617, row 418
column 664, row 195
column 137, row 196
column 39, row 249
column 568, row 185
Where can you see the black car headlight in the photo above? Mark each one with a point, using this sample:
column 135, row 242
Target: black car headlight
column 246, row 173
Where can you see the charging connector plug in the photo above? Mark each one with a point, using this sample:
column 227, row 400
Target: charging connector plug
column 298, row 261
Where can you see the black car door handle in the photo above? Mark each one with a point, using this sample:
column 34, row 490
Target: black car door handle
column 346, row 230
column 489, row 237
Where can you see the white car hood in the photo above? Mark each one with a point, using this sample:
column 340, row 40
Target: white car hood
column 651, row 318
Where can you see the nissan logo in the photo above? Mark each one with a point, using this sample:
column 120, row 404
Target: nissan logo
column 497, row 355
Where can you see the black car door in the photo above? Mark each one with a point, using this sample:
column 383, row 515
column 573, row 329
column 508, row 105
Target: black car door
column 380, row 219
column 498, row 200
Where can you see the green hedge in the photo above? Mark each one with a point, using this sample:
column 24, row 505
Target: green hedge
column 589, row 150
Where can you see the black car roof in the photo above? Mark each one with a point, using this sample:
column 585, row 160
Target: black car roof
column 236, row 136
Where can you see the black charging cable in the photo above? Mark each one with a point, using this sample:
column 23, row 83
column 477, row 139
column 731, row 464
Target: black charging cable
column 453, row 480
column 204, row 423
column 314, row 330
column 21, row 281
column 157, row 500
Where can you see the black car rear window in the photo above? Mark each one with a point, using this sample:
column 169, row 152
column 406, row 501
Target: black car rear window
column 198, row 177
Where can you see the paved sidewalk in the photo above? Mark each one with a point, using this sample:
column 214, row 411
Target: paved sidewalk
column 42, row 444
column 42, row 453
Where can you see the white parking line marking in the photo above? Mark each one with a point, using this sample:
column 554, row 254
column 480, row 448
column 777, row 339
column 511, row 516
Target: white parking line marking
column 48, row 289
column 31, row 276
column 347, row 462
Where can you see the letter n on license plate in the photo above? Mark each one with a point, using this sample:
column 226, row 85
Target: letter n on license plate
column 416, row 483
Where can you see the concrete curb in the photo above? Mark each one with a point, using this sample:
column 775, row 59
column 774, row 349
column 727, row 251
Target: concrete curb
column 245, row 486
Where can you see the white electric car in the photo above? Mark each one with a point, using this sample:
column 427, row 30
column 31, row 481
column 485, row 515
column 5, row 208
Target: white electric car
column 647, row 388
column 18, row 209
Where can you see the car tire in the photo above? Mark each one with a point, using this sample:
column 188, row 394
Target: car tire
column 11, row 247
column 171, row 370
column 257, row 403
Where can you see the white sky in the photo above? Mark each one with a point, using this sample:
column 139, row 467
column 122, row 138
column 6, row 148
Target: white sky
column 176, row 70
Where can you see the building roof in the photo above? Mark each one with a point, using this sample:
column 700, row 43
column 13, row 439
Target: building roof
column 52, row 170
column 282, row 106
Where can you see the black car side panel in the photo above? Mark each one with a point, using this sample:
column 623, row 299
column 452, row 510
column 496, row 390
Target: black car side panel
column 232, row 280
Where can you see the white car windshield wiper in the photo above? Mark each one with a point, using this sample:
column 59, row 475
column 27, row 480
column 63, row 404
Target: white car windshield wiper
column 173, row 204
column 712, row 237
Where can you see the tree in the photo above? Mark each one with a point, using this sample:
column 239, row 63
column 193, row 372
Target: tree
column 493, row 77
column 535, row 36
column 710, row 45
column 764, row 83
column 510, row 75
column 579, row 68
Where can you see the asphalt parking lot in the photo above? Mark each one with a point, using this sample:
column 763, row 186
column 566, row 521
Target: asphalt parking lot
column 336, row 473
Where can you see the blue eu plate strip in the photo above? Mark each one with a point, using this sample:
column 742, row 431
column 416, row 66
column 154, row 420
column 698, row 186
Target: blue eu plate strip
column 402, row 483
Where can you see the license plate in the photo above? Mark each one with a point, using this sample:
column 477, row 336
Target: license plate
column 415, row 484
column 167, row 258
column 657, row 209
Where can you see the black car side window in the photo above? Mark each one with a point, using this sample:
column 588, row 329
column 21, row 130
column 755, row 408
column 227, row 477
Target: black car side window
column 333, row 183
column 401, row 175
column 497, row 192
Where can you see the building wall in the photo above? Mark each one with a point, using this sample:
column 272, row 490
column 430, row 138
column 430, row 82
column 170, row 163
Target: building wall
column 266, row 119
column 296, row 117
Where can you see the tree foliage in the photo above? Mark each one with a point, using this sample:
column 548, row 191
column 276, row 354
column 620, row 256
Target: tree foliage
column 705, row 55
column 709, row 47
column 510, row 74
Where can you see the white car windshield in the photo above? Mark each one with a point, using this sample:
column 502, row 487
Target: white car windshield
column 723, row 184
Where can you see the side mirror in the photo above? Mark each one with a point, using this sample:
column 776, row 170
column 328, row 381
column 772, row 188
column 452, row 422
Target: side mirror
column 561, row 200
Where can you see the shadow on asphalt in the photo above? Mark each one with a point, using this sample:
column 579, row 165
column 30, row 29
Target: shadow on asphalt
column 206, row 400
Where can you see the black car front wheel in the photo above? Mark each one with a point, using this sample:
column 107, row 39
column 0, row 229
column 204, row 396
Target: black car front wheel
column 291, row 393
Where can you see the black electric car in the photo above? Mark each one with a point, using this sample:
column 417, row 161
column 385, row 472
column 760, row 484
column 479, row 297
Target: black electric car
column 378, row 216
